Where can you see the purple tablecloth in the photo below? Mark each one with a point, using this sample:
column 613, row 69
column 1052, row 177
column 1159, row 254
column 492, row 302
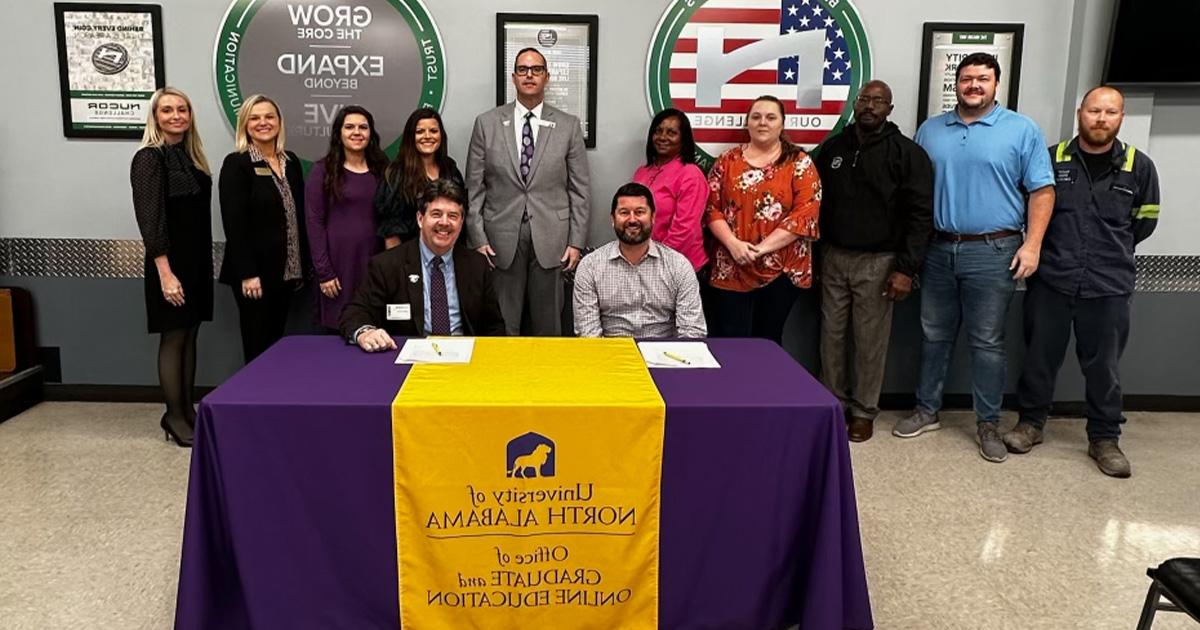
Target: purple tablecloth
column 290, row 523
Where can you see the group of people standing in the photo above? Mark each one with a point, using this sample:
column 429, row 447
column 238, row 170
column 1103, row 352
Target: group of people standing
column 965, row 211
column 974, row 204
column 282, row 230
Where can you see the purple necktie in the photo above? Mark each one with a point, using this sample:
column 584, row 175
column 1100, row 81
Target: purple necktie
column 526, row 146
column 439, row 304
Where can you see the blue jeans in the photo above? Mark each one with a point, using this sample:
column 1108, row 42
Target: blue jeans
column 966, row 283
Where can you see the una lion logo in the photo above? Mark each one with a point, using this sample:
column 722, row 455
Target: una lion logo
column 530, row 456
column 534, row 460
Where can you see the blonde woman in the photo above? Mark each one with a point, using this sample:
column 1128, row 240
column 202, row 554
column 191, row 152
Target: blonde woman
column 172, row 189
column 262, row 209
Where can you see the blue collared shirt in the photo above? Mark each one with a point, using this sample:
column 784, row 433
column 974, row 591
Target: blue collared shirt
column 451, row 287
column 982, row 171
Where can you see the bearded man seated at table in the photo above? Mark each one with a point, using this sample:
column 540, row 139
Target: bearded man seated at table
column 426, row 286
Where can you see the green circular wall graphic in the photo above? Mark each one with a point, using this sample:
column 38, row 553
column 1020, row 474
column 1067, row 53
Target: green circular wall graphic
column 711, row 59
column 315, row 58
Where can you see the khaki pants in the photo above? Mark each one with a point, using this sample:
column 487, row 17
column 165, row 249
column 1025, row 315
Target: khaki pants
column 853, row 306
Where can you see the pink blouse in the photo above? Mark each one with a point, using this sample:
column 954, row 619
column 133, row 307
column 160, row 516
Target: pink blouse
column 680, row 197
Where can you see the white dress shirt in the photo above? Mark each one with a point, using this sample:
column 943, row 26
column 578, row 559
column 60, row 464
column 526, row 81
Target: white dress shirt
column 534, row 123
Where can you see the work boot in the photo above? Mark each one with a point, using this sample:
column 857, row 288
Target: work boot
column 1109, row 458
column 1022, row 438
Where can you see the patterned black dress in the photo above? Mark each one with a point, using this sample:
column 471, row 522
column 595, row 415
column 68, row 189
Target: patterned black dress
column 172, row 201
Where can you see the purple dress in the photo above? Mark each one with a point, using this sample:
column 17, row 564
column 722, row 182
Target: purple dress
column 341, row 236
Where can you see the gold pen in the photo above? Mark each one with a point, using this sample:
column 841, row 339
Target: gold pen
column 672, row 355
column 436, row 348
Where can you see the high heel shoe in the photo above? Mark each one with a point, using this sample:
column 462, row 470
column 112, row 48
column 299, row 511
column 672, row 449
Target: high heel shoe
column 181, row 435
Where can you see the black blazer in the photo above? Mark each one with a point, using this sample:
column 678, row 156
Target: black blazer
column 390, row 281
column 255, row 225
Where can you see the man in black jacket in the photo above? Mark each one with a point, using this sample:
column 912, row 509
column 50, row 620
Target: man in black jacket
column 876, row 219
column 426, row 286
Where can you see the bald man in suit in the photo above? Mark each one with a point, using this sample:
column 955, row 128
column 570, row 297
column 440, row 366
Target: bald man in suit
column 527, row 177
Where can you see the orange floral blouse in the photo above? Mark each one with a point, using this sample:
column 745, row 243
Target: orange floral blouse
column 753, row 202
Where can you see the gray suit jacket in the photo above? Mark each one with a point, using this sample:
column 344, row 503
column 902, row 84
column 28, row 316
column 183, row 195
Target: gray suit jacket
column 556, row 194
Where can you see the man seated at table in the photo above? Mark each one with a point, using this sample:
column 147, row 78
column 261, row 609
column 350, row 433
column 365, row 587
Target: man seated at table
column 426, row 286
column 633, row 286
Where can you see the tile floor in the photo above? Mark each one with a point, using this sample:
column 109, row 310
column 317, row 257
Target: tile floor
column 91, row 512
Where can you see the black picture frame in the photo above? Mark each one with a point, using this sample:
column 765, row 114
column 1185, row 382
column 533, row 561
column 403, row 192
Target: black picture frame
column 504, row 71
column 77, row 129
column 1009, row 76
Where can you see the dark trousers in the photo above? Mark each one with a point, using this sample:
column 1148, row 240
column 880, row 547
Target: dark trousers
column 263, row 320
column 1101, row 328
column 758, row 313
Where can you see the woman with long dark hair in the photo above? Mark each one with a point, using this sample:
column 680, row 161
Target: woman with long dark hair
column 422, row 158
column 172, row 191
column 763, row 210
column 340, row 210
column 262, row 209
column 679, row 188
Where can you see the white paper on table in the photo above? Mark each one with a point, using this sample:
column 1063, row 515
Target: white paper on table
column 437, row 350
column 677, row 354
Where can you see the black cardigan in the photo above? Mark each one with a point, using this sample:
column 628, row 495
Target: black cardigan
column 255, row 225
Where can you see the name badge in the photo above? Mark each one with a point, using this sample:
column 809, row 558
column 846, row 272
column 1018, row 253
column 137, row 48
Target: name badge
column 545, row 123
column 263, row 170
column 399, row 312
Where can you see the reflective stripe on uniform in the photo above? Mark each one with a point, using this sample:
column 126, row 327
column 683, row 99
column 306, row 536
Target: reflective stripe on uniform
column 1147, row 211
column 1061, row 154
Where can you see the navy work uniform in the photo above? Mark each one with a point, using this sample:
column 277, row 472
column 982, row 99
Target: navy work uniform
column 1104, row 205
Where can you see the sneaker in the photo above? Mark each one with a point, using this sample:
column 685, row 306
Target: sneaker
column 991, row 447
column 1109, row 458
column 860, row 429
column 1022, row 438
column 916, row 424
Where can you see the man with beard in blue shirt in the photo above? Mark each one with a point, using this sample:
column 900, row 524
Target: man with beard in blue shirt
column 1106, row 203
column 993, row 196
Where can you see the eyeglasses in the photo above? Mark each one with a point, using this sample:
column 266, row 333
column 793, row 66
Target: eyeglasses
column 872, row 100
column 536, row 71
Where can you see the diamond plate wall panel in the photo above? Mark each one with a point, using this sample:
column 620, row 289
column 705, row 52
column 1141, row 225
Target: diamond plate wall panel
column 78, row 258
column 94, row 258
column 1168, row 274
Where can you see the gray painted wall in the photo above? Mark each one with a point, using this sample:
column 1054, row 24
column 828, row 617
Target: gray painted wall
column 94, row 202
column 1161, row 122
column 99, row 325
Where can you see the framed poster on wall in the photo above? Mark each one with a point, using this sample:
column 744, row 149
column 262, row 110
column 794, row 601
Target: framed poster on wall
column 569, row 44
column 110, row 62
column 944, row 44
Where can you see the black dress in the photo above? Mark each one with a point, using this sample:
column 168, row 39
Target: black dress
column 172, row 201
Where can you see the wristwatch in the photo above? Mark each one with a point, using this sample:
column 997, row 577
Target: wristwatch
column 353, row 340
